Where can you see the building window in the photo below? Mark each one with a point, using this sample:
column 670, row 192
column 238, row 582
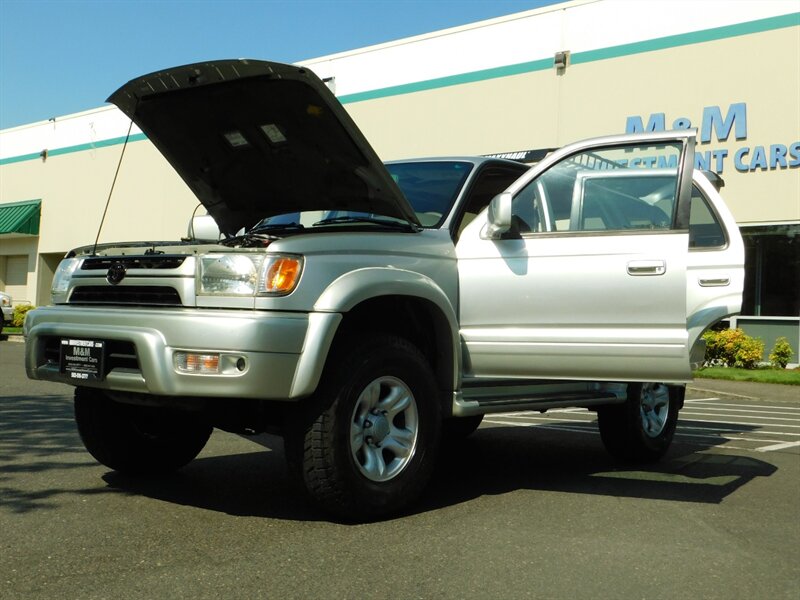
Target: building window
column 772, row 271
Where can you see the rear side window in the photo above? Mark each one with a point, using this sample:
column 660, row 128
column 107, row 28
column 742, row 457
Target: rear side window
column 705, row 230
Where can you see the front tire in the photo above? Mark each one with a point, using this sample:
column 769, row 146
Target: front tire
column 641, row 430
column 367, row 444
column 137, row 440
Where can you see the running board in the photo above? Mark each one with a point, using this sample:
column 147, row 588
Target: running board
column 468, row 406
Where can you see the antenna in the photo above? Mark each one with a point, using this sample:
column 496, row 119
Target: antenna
column 111, row 191
column 191, row 221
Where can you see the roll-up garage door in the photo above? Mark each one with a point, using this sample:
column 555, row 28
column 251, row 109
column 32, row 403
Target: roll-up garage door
column 17, row 278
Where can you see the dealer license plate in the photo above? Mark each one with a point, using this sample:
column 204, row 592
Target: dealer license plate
column 83, row 359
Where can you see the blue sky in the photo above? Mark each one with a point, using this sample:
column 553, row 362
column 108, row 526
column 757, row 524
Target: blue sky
column 63, row 56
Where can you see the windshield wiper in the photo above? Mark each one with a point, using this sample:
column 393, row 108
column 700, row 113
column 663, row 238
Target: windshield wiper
column 405, row 226
column 261, row 235
column 274, row 226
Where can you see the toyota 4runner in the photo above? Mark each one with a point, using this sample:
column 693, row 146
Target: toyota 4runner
column 369, row 312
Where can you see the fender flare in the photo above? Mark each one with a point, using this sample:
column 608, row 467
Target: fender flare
column 350, row 290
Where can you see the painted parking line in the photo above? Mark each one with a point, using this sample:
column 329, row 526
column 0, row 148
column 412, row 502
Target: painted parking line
column 723, row 430
column 718, row 402
column 724, row 408
column 697, row 389
column 690, row 416
column 543, row 426
column 681, row 433
column 703, row 421
column 774, row 447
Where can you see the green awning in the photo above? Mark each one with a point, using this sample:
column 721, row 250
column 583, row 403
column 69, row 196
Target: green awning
column 20, row 217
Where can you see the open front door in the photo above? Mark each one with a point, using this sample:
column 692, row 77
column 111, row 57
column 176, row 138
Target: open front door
column 588, row 280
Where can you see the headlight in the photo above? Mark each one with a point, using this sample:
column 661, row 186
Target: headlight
column 248, row 275
column 61, row 279
column 229, row 274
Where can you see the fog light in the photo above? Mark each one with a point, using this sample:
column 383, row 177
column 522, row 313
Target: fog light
column 189, row 362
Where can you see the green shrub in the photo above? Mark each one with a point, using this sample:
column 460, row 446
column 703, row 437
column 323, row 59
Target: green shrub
column 714, row 354
column 781, row 353
column 749, row 353
column 19, row 314
column 732, row 348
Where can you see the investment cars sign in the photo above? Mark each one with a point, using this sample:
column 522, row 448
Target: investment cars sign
column 714, row 126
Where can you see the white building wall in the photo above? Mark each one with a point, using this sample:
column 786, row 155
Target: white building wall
column 579, row 26
column 482, row 88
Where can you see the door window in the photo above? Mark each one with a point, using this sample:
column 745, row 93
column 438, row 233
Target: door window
column 627, row 188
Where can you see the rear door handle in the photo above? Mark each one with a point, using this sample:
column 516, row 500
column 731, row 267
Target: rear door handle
column 717, row 282
column 647, row 267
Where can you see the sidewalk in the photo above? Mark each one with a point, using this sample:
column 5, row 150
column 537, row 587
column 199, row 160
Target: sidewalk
column 746, row 389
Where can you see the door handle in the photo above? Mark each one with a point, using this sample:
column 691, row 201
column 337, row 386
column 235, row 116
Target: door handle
column 647, row 267
column 717, row 282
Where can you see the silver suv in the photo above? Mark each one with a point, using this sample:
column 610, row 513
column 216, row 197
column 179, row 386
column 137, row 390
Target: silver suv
column 371, row 313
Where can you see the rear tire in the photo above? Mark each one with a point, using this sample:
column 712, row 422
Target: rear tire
column 641, row 430
column 139, row 440
column 365, row 444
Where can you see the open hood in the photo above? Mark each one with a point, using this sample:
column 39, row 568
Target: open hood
column 254, row 139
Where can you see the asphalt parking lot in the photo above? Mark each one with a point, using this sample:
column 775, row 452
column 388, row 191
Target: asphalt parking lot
column 530, row 506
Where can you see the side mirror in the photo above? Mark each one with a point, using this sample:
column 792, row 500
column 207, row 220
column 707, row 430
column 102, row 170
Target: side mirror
column 499, row 215
column 203, row 227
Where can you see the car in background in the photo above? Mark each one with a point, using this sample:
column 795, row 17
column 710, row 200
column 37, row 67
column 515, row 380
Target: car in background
column 7, row 310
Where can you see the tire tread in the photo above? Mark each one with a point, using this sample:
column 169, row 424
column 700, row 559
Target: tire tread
column 312, row 450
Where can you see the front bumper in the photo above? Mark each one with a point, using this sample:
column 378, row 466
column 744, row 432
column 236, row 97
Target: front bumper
column 142, row 343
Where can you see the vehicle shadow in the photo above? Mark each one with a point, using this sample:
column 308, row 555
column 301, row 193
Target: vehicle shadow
column 37, row 440
column 499, row 460
column 42, row 458
column 43, row 463
column 36, row 427
column 255, row 484
column 492, row 461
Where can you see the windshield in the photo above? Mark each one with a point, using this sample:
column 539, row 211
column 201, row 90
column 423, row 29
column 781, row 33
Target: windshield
column 320, row 218
column 430, row 187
